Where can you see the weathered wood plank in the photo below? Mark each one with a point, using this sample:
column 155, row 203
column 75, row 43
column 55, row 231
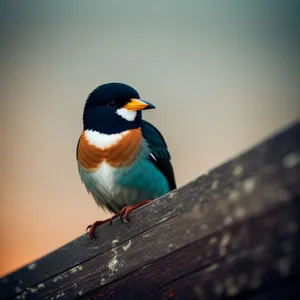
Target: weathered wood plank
column 261, row 242
column 252, row 185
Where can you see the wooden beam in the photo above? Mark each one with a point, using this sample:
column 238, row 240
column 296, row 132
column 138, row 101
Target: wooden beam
column 233, row 232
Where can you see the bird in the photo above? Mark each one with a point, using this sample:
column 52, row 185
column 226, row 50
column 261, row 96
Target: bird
column 123, row 160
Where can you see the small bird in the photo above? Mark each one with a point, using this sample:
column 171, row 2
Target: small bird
column 123, row 160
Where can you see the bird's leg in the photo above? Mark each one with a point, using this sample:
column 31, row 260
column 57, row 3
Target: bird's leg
column 126, row 210
column 93, row 226
column 123, row 214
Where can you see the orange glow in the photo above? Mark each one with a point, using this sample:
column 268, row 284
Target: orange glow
column 222, row 78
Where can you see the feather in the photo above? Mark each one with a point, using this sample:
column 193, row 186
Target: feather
column 148, row 177
column 159, row 155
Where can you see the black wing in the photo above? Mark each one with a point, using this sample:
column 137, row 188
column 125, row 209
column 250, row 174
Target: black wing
column 160, row 155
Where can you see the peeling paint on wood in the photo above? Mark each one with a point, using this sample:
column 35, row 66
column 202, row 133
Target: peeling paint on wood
column 31, row 267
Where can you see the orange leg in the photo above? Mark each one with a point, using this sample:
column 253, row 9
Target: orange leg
column 123, row 214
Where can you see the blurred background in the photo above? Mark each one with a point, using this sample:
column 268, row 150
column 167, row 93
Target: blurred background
column 223, row 75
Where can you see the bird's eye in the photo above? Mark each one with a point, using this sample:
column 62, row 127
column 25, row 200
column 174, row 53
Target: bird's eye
column 112, row 103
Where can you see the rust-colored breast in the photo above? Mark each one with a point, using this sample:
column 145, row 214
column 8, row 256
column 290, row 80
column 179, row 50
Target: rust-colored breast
column 121, row 154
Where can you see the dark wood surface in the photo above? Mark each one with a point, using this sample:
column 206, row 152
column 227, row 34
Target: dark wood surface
column 231, row 233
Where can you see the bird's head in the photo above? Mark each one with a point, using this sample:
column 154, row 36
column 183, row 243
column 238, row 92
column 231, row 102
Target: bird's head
column 113, row 108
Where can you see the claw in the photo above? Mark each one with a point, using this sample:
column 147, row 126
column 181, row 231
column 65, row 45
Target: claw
column 123, row 214
column 113, row 217
column 92, row 227
column 127, row 216
column 121, row 218
column 126, row 213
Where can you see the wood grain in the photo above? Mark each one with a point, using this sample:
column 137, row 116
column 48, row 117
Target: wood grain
column 233, row 232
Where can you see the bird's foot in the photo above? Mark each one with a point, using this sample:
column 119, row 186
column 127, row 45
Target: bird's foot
column 123, row 214
column 126, row 210
column 93, row 226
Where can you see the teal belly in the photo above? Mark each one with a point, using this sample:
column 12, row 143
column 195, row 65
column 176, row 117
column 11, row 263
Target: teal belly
column 143, row 177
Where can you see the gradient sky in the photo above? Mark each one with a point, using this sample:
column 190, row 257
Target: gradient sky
column 222, row 74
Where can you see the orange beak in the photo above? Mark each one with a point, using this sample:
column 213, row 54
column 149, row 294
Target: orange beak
column 138, row 104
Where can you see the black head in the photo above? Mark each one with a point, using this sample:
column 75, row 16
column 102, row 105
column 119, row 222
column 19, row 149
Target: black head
column 113, row 108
